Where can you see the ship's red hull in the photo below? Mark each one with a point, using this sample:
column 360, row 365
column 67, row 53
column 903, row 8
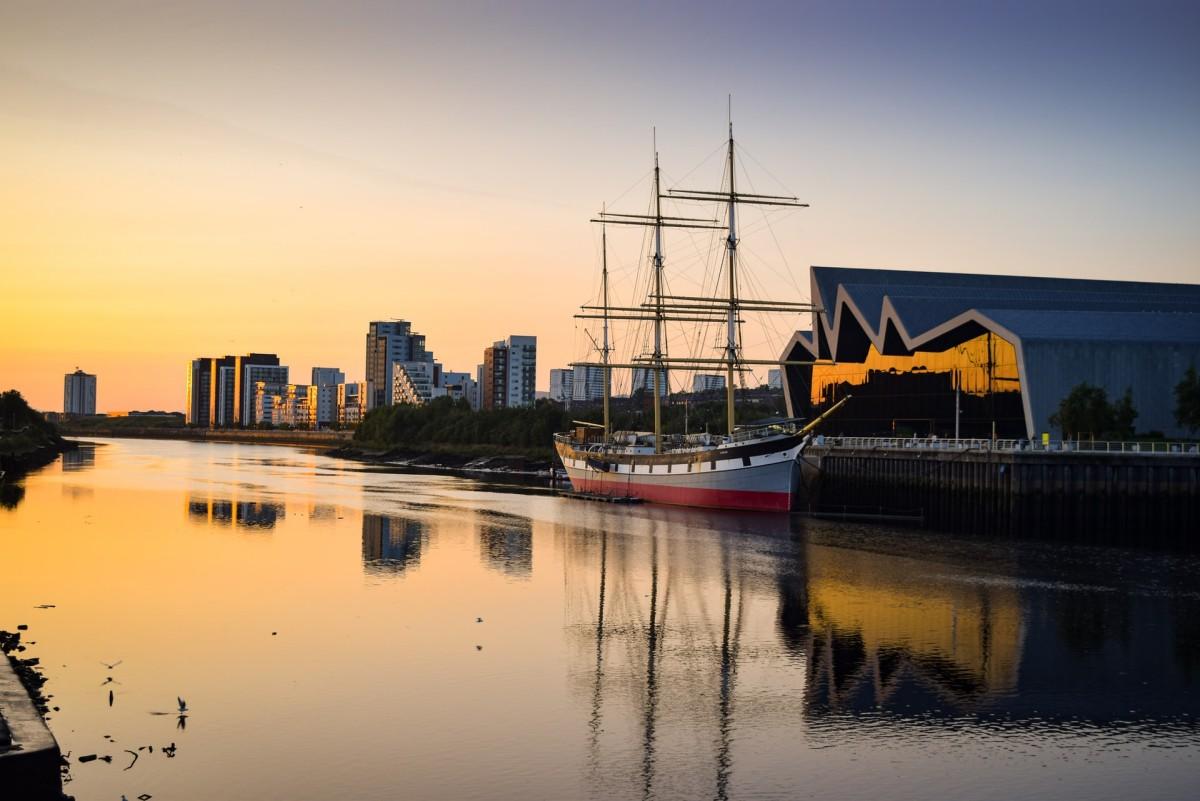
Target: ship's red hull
column 748, row 500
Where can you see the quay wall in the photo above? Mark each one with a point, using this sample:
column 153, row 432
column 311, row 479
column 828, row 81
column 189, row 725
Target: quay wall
column 1146, row 499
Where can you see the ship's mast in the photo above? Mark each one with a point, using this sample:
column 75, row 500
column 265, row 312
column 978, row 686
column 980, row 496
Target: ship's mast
column 658, row 304
column 731, row 349
column 661, row 307
column 604, row 351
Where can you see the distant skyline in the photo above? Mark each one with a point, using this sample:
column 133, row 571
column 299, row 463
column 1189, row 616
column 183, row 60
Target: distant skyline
column 194, row 179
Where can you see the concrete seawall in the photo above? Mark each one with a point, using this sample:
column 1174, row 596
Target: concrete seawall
column 29, row 754
column 1143, row 499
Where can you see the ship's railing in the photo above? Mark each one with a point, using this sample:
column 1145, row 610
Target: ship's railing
column 673, row 442
column 758, row 432
column 1140, row 447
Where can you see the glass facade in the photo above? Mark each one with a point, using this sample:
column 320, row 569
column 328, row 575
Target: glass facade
column 915, row 394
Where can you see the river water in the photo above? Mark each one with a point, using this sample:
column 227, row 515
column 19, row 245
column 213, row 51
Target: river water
column 340, row 632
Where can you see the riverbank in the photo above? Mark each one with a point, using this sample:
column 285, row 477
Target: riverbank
column 27, row 439
column 254, row 436
column 23, row 451
column 29, row 755
column 463, row 460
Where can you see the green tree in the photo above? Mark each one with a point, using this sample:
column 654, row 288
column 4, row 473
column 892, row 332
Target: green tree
column 16, row 414
column 1187, row 400
column 1084, row 411
column 1123, row 415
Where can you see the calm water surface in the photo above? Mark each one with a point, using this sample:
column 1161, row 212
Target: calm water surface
column 321, row 621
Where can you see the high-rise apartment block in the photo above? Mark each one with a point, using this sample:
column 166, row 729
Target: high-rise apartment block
column 292, row 405
column 79, row 393
column 389, row 342
column 587, row 385
column 325, row 382
column 509, row 373
column 220, row 391
column 418, row 383
column 414, row 382
column 250, row 375
column 460, row 386
column 327, row 375
column 199, row 390
column 351, row 403
column 562, row 385
column 643, row 380
column 707, row 383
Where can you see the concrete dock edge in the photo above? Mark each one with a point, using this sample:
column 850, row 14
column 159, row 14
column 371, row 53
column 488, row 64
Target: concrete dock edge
column 29, row 767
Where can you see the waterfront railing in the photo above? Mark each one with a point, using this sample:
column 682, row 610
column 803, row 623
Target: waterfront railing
column 1138, row 447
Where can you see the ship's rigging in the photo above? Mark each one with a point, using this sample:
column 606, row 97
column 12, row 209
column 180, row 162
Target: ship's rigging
column 662, row 306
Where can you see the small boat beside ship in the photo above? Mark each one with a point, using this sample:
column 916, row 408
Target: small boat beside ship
column 750, row 467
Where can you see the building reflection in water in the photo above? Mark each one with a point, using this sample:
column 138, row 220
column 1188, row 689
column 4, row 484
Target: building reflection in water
column 393, row 544
column 506, row 543
column 889, row 633
column 82, row 458
column 681, row 642
column 77, row 492
column 323, row 512
column 243, row 514
column 879, row 635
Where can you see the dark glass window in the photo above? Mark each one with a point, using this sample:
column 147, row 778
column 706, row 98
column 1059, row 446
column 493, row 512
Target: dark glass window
column 914, row 395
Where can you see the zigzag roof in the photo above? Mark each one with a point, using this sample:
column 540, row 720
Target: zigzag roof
column 900, row 311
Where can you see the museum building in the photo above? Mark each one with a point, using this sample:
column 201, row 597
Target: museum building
column 926, row 353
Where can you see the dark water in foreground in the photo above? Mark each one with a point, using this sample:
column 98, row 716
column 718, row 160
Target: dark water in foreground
column 320, row 620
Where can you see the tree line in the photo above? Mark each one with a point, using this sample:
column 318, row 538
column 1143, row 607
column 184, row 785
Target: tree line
column 445, row 421
column 1087, row 411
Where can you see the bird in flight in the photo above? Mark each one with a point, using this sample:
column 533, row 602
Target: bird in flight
column 113, row 665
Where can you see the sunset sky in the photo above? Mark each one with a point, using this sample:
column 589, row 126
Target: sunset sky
column 194, row 179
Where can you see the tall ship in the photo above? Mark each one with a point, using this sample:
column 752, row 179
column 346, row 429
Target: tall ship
column 747, row 467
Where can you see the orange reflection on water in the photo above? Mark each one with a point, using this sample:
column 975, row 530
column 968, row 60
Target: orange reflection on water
column 342, row 632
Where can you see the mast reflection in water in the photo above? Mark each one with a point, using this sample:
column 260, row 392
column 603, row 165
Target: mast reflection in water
column 865, row 641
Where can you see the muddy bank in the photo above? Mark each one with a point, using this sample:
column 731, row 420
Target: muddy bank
column 517, row 466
